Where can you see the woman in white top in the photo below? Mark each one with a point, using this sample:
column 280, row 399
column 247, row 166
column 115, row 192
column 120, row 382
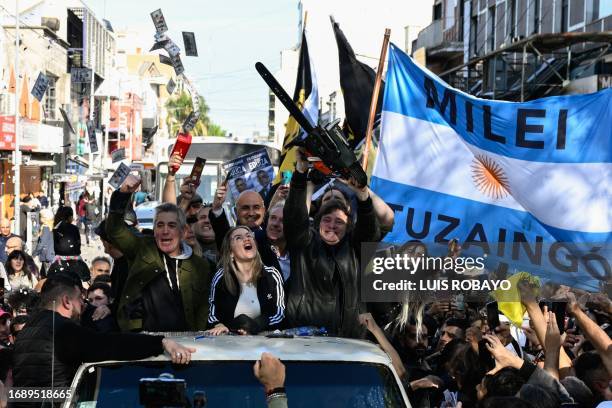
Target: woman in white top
column 246, row 296
column 17, row 272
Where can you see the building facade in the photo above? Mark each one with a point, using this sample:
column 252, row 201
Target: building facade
column 519, row 49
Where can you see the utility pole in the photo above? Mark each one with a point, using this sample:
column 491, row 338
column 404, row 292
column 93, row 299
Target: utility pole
column 17, row 169
column 92, row 103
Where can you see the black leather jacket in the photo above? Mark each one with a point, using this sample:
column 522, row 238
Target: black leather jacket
column 323, row 289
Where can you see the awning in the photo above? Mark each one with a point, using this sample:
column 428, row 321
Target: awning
column 41, row 163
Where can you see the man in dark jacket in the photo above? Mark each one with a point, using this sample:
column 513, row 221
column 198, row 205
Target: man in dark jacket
column 250, row 211
column 120, row 262
column 5, row 234
column 167, row 287
column 323, row 289
column 47, row 358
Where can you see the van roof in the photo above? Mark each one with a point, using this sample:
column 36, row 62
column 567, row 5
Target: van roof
column 249, row 348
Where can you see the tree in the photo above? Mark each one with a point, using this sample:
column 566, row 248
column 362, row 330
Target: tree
column 180, row 107
column 216, row 130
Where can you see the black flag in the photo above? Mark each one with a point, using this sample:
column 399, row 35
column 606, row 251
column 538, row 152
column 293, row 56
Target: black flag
column 357, row 82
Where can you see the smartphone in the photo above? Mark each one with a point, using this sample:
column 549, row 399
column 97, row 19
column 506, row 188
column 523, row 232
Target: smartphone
column 484, row 356
column 492, row 316
column 286, row 177
column 558, row 308
column 196, row 171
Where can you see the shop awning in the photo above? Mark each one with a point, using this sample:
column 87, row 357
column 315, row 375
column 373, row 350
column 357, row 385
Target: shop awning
column 41, row 163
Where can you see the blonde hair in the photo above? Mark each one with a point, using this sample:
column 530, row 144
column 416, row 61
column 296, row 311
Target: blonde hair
column 46, row 219
column 226, row 261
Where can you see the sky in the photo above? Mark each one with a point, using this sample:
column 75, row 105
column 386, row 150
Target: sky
column 231, row 36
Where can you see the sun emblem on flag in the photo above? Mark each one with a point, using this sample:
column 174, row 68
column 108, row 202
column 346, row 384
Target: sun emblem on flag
column 489, row 177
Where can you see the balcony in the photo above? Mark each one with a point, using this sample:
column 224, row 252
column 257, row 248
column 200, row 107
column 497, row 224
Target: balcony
column 439, row 43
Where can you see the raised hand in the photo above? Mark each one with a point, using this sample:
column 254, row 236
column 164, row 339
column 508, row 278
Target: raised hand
column 175, row 162
column 219, row 198
column 270, row 372
column 188, row 189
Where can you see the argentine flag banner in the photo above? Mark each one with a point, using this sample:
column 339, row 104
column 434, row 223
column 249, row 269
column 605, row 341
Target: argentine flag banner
column 529, row 184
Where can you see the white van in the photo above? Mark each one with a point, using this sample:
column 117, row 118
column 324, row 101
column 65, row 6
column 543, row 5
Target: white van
column 321, row 372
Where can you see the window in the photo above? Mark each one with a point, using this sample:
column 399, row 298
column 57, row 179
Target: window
column 474, row 36
column 536, row 17
column 512, row 18
column 232, row 384
column 437, row 11
column 491, row 34
column 605, row 9
column 51, row 98
column 564, row 15
column 449, row 14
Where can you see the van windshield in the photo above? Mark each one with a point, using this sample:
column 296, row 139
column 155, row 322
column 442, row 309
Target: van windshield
column 232, row 384
column 208, row 180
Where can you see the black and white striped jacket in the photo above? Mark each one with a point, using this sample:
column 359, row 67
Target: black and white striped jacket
column 270, row 293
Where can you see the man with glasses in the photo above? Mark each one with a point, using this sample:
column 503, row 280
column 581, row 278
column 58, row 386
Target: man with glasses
column 250, row 210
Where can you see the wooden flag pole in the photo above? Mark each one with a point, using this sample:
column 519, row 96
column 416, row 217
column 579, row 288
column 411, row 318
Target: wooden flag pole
column 373, row 103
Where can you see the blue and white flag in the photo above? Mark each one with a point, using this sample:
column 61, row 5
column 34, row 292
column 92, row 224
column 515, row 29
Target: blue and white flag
column 538, row 172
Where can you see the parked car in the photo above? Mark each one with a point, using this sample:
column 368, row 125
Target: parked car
column 321, row 372
column 145, row 213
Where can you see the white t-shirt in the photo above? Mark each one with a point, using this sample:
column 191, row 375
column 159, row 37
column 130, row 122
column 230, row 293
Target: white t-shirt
column 248, row 303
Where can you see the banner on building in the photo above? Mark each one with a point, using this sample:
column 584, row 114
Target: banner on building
column 40, row 87
column 535, row 173
column 80, row 75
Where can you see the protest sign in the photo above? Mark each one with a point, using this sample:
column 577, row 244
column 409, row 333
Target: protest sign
column 190, row 44
column 159, row 21
column 119, row 175
column 252, row 171
column 118, row 155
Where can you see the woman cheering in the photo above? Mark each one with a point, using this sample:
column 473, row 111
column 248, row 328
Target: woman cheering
column 18, row 274
column 246, row 296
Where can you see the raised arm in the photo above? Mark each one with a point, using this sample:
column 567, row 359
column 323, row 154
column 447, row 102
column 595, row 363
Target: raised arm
column 595, row 334
column 368, row 321
column 169, row 191
column 384, row 213
column 116, row 229
column 539, row 322
column 218, row 219
column 295, row 214
column 188, row 190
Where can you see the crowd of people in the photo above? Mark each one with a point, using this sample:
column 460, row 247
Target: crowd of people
column 288, row 262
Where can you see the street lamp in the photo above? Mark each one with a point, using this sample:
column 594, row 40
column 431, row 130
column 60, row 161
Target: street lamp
column 17, row 167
